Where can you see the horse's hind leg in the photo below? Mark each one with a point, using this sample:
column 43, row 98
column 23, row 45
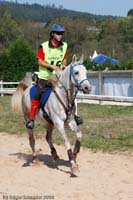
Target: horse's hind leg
column 30, row 131
column 32, row 142
column 49, row 140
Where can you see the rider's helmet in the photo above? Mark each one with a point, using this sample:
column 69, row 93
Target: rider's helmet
column 57, row 28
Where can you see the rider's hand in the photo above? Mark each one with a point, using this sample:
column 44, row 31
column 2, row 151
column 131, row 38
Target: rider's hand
column 62, row 67
column 50, row 68
column 55, row 68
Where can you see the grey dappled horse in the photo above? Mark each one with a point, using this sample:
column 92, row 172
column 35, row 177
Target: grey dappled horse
column 60, row 108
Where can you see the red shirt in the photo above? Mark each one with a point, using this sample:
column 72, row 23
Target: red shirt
column 41, row 54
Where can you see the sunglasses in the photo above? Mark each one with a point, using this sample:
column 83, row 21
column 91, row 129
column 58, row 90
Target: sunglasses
column 58, row 33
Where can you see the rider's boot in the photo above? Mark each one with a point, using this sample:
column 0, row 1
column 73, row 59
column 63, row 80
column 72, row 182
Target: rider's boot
column 78, row 120
column 30, row 121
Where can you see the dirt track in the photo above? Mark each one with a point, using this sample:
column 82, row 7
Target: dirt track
column 102, row 176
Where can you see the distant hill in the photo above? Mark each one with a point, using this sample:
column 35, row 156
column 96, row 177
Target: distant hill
column 41, row 13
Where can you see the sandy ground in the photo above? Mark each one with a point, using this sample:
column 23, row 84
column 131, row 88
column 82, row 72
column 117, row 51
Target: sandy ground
column 102, row 176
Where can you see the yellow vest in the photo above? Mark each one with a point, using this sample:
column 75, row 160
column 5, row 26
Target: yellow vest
column 53, row 56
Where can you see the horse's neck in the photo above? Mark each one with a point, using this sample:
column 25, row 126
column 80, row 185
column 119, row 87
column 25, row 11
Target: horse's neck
column 65, row 78
column 65, row 87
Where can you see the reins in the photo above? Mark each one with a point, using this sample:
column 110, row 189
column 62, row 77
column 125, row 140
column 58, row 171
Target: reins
column 62, row 103
column 68, row 109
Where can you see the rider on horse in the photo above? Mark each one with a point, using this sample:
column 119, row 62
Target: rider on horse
column 51, row 55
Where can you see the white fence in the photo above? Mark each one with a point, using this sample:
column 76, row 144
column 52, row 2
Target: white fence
column 111, row 83
column 7, row 90
column 104, row 100
column 108, row 87
column 81, row 98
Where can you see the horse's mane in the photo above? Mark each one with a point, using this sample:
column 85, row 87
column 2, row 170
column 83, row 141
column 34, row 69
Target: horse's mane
column 60, row 74
column 54, row 78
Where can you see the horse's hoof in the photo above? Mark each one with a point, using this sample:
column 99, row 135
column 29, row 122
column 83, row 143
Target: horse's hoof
column 34, row 158
column 36, row 162
column 55, row 157
column 54, row 154
column 74, row 169
column 27, row 164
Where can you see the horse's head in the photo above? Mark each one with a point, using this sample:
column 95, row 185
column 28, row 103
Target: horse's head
column 78, row 76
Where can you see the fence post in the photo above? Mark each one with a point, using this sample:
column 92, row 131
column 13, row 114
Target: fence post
column 132, row 82
column 1, row 87
column 100, row 82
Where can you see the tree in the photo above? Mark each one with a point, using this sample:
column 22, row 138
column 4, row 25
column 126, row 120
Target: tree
column 9, row 29
column 16, row 61
column 130, row 13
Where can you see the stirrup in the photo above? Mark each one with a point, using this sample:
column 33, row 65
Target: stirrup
column 78, row 120
column 30, row 123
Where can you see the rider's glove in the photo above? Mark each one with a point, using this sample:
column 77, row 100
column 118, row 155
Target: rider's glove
column 50, row 68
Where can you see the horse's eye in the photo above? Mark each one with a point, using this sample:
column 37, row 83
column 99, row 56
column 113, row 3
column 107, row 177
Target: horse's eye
column 76, row 73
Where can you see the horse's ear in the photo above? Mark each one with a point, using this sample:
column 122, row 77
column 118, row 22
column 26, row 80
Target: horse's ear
column 74, row 58
column 82, row 58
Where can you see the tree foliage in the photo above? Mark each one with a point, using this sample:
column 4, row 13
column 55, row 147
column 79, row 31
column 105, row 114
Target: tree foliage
column 112, row 36
column 130, row 13
column 16, row 61
column 41, row 13
column 9, row 29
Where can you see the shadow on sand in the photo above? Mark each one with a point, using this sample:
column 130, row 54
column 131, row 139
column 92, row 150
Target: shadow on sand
column 44, row 159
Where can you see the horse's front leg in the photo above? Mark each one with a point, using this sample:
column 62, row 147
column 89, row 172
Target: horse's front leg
column 75, row 128
column 49, row 140
column 60, row 127
column 77, row 144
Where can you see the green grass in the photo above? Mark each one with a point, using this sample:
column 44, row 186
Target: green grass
column 105, row 128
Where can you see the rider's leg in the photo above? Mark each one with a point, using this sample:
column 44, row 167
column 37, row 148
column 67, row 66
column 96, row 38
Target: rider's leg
column 41, row 84
column 34, row 106
column 78, row 120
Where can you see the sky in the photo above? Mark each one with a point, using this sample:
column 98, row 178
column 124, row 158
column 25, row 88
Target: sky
column 98, row 7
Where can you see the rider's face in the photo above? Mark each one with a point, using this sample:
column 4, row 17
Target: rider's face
column 58, row 36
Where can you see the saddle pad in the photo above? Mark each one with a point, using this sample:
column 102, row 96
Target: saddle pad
column 45, row 95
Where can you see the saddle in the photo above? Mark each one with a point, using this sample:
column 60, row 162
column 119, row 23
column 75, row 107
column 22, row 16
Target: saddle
column 46, row 93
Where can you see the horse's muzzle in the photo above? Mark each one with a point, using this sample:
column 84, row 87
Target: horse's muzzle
column 86, row 89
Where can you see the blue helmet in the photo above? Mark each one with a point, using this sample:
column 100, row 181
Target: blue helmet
column 57, row 27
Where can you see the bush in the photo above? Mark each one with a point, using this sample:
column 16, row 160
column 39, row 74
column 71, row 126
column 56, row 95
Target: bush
column 16, row 61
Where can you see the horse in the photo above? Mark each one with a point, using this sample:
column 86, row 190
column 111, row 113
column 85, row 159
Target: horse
column 59, row 108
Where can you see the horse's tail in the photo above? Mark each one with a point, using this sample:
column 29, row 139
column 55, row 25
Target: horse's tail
column 16, row 101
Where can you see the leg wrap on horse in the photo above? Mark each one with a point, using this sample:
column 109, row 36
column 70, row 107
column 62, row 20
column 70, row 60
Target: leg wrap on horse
column 70, row 154
column 77, row 147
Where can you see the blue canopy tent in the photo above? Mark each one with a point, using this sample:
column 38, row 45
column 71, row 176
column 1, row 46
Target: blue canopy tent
column 100, row 58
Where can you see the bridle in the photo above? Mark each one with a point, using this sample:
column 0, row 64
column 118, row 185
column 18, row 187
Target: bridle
column 77, row 85
column 72, row 75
